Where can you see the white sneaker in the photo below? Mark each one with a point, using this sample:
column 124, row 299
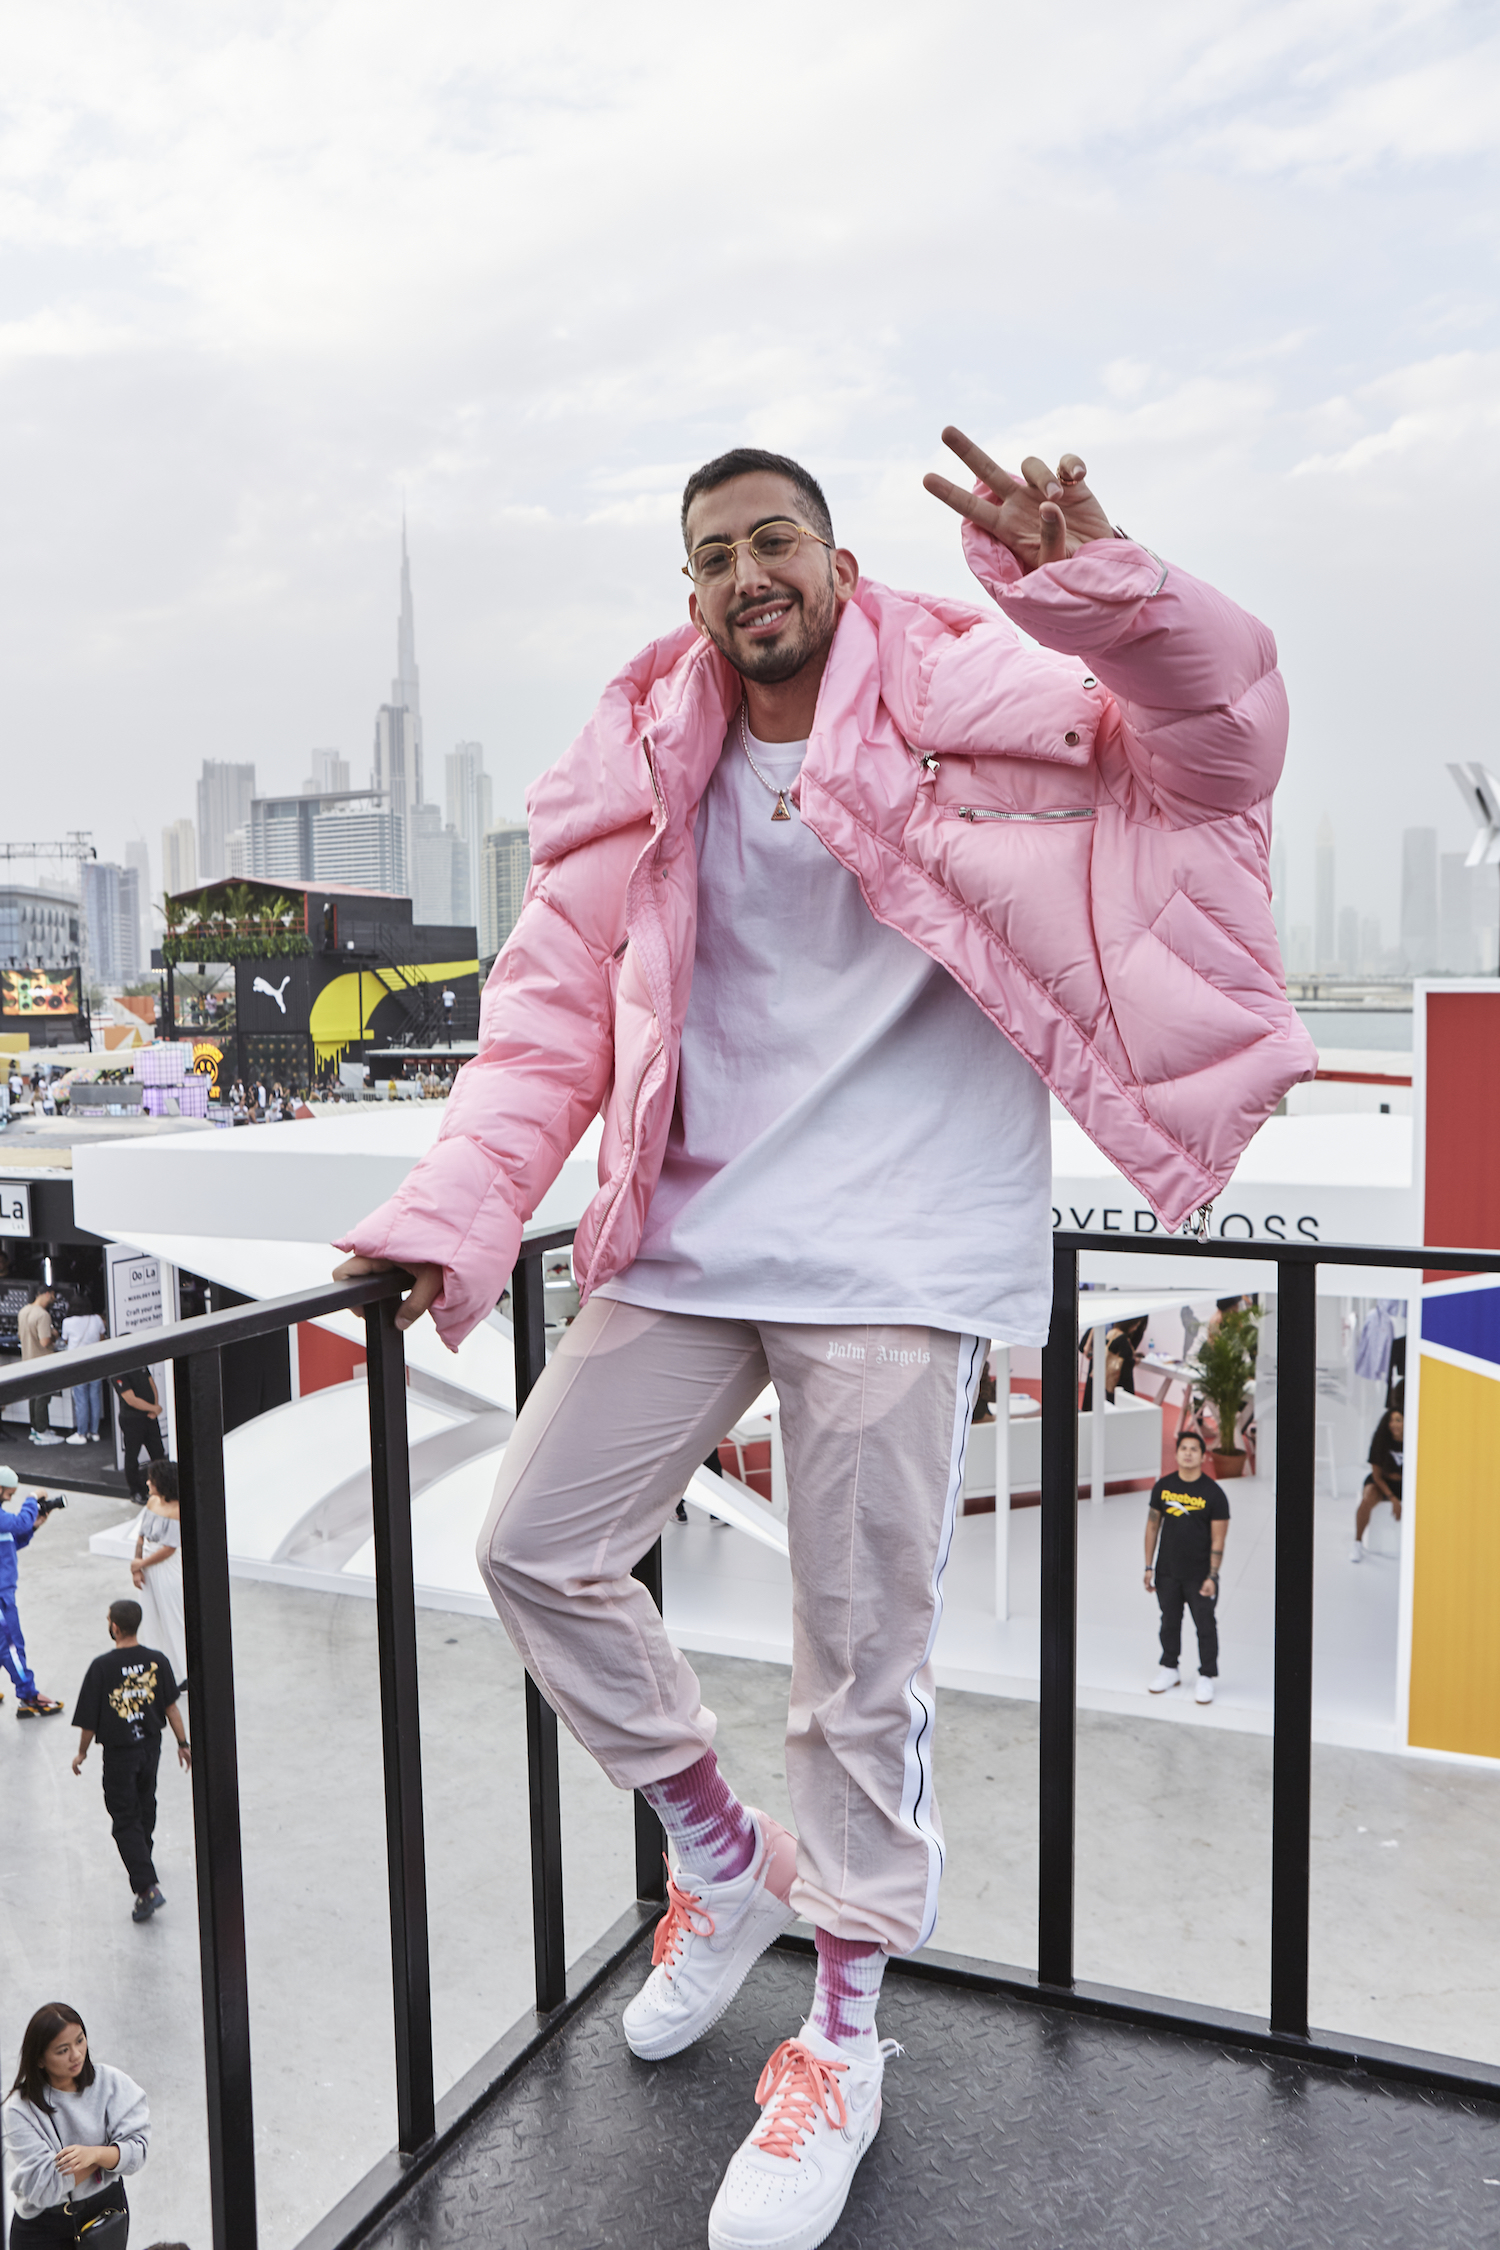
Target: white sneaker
column 788, row 2182
column 46, row 1437
column 77, row 1438
column 1204, row 1691
column 707, row 1942
column 1163, row 1680
column 1359, row 1551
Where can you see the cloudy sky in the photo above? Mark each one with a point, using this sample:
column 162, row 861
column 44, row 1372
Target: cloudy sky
column 270, row 271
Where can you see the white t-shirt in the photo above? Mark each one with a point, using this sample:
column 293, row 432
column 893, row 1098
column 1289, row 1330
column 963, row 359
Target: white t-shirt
column 80, row 1329
column 853, row 1139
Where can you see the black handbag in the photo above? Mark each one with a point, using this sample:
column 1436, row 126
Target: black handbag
column 101, row 2221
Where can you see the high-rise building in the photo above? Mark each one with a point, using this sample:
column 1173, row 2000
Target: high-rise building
column 224, row 794
column 282, row 828
column 40, row 928
column 179, row 857
column 470, row 806
column 1325, row 895
column 439, row 870
column 1419, row 901
column 1458, row 887
column 362, row 846
column 111, row 920
column 138, row 856
column 398, row 724
column 1370, row 948
column 397, row 774
column 329, row 777
column 237, row 851
column 505, row 867
column 1349, row 941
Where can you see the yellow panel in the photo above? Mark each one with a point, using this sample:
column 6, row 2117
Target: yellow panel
column 342, row 1011
column 1455, row 1650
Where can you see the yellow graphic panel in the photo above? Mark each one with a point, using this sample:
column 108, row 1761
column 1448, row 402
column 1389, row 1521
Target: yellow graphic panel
column 1455, row 1644
column 342, row 1011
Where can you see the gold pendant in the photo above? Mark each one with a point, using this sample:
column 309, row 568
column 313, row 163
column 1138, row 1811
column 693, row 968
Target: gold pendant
column 781, row 812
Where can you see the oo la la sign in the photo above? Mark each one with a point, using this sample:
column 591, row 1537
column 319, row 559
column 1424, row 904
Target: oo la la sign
column 15, row 1209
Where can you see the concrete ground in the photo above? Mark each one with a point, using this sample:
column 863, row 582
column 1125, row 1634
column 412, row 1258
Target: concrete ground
column 1172, row 1871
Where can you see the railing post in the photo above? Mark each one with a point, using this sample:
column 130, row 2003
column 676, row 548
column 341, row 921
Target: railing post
column 216, row 1802
column 1291, row 1749
column 650, row 1836
column 529, row 1323
column 1059, row 1690
column 400, row 1731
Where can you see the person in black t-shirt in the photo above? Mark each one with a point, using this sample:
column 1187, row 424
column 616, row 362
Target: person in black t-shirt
column 140, row 1412
column 1187, row 1523
column 1387, row 1456
column 126, row 1699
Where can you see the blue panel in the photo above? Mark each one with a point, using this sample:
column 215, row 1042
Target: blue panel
column 1468, row 1321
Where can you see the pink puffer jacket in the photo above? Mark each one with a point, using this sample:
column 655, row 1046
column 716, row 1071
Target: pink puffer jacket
column 1077, row 832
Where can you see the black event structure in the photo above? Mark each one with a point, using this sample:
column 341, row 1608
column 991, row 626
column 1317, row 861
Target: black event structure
column 427, row 2127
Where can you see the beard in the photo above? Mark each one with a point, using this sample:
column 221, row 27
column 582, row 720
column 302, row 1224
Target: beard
column 806, row 635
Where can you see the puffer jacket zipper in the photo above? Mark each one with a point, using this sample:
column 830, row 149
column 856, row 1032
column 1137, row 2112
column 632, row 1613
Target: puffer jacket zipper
column 987, row 812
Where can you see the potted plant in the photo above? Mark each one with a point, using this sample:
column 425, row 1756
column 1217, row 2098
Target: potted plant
column 1227, row 1358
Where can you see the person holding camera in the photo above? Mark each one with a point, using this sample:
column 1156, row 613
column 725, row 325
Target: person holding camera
column 127, row 1697
column 18, row 1527
column 74, row 2130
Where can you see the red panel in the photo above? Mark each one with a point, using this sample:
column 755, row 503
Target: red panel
column 324, row 1359
column 1463, row 1119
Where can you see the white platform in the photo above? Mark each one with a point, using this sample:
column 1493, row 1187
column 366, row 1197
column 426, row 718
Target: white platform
column 733, row 1601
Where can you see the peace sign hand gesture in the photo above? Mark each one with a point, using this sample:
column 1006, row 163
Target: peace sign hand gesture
column 1043, row 520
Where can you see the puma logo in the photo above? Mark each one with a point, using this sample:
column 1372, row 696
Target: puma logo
column 273, row 991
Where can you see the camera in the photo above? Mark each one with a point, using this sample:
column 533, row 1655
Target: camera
column 46, row 1507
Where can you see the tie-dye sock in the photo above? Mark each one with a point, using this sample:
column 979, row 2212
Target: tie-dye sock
column 848, row 1992
column 712, row 1832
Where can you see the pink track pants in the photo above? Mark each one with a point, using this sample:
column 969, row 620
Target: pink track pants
column 874, row 1422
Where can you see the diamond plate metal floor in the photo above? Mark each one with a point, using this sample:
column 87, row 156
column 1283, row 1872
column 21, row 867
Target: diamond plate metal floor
column 1006, row 2126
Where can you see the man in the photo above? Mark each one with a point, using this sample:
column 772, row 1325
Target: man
column 18, row 1527
column 833, row 886
column 140, row 1412
column 1187, row 1523
column 34, row 1326
column 127, row 1696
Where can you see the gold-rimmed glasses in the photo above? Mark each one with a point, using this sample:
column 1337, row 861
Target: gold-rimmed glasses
column 713, row 562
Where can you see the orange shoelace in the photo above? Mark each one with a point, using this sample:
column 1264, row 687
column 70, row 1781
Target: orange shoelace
column 684, row 1918
column 800, row 2087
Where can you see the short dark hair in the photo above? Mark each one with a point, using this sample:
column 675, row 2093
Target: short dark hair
column 1190, row 1437
column 125, row 1617
column 162, row 1478
column 748, row 461
column 31, row 2078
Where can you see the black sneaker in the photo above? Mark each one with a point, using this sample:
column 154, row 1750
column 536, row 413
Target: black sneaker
column 154, row 1897
column 142, row 1910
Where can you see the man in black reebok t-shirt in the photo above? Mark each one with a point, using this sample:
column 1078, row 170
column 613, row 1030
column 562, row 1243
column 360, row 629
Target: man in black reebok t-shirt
column 1186, row 1526
column 127, row 1697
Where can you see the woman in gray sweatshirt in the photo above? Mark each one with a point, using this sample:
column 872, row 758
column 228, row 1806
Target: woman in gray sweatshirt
column 73, row 2129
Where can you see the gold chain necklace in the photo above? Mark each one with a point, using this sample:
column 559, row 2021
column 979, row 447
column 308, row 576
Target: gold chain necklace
column 782, row 810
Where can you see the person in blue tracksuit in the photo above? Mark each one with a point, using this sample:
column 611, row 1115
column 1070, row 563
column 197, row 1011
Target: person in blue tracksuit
column 18, row 1526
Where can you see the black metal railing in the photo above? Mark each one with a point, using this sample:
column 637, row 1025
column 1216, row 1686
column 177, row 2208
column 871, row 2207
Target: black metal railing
column 425, row 2124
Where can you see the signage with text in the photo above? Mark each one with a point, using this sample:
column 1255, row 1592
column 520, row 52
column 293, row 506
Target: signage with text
column 15, row 1208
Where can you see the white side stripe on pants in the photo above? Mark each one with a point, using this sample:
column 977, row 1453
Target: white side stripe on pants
column 916, row 1788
